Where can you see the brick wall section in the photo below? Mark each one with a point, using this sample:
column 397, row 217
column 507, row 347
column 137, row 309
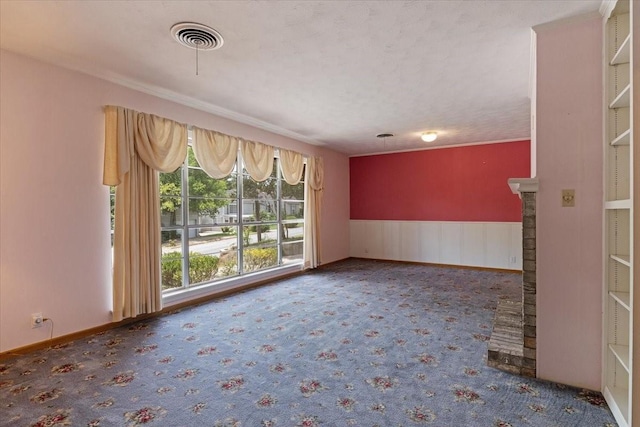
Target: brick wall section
column 529, row 283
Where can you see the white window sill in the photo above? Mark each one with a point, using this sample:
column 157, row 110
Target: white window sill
column 213, row 288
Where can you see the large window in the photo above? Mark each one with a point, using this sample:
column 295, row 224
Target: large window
column 214, row 229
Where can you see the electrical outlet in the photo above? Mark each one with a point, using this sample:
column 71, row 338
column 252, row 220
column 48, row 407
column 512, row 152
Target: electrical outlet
column 36, row 320
column 512, row 260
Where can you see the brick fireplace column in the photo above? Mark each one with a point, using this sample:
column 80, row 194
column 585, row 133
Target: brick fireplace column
column 527, row 189
column 529, row 283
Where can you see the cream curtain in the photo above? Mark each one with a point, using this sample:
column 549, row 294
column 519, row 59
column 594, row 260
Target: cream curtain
column 258, row 159
column 291, row 165
column 216, row 152
column 314, row 181
column 137, row 146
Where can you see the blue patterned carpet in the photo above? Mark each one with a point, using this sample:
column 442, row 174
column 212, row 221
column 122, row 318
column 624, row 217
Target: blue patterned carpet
column 359, row 343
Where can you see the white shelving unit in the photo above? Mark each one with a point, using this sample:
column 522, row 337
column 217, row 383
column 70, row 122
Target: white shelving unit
column 619, row 370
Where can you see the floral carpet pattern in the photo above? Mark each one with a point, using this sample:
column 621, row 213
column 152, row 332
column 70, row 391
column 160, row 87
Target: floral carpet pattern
column 357, row 343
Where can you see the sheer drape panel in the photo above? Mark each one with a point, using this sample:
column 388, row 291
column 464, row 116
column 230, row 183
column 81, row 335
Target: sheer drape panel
column 291, row 165
column 258, row 159
column 314, row 185
column 137, row 146
column 216, row 152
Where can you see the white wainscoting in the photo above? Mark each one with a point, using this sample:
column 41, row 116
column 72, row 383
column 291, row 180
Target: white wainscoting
column 475, row 244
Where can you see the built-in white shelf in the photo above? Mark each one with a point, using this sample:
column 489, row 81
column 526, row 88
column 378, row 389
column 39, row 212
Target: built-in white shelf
column 623, row 298
column 622, row 259
column 623, row 55
column 618, row 204
column 620, row 289
column 618, row 400
column 623, row 99
column 622, row 354
column 623, row 139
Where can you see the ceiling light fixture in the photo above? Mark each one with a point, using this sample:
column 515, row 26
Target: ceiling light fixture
column 384, row 137
column 429, row 136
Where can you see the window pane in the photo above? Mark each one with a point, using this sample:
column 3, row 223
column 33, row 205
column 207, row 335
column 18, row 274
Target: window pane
column 292, row 231
column 291, row 252
column 171, row 262
column 212, row 240
column 191, row 157
column 255, row 210
column 202, row 268
column 230, row 212
column 171, row 183
column 292, row 209
column 265, row 190
column 212, row 211
column 253, row 235
column 294, row 192
column 170, row 211
column 202, row 185
column 171, row 198
column 260, row 255
column 228, row 264
column 212, row 253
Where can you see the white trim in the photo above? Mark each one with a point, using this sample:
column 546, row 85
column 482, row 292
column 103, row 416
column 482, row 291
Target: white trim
column 238, row 282
column 532, row 63
column 438, row 147
column 523, row 185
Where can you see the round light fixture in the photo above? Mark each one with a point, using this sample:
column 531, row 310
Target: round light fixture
column 429, row 136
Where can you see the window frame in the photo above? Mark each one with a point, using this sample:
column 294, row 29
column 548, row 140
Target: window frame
column 279, row 223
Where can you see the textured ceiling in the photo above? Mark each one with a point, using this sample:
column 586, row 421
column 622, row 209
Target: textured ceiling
column 333, row 73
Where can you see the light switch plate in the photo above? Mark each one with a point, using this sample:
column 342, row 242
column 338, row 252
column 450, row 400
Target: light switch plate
column 568, row 198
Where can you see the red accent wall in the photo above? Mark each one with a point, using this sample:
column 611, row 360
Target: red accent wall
column 449, row 184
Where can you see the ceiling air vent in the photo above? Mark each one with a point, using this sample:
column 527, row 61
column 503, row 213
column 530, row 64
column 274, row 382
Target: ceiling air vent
column 197, row 36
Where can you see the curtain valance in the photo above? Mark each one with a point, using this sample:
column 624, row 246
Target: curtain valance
column 216, row 152
column 161, row 143
column 258, row 159
column 291, row 165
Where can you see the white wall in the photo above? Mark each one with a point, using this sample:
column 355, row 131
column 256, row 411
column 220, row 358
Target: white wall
column 569, row 240
column 478, row 244
column 55, row 252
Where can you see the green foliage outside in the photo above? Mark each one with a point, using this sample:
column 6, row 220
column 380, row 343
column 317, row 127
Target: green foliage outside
column 259, row 258
column 228, row 265
column 207, row 195
column 202, row 268
column 254, row 259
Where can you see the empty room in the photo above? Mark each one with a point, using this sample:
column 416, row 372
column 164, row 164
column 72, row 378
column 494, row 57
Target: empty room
column 319, row 213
